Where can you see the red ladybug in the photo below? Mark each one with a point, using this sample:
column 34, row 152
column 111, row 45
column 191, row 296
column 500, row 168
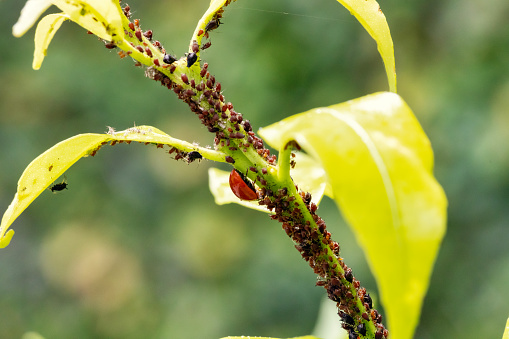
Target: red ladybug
column 241, row 186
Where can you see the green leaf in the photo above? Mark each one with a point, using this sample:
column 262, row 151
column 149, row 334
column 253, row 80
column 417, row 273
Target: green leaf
column 379, row 164
column 306, row 171
column 370, row 15
column 50, row 165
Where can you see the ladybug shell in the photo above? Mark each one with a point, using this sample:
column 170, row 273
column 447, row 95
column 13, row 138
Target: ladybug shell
column 242, row 187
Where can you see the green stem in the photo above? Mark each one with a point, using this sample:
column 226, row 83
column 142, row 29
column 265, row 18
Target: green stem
column 239, row 146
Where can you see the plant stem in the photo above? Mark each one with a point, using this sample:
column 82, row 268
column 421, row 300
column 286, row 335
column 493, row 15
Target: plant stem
column 194, row 85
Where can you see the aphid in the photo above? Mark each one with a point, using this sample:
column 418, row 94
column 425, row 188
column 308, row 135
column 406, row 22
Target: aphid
column 110, row 45
column 148, row 34
column 347, row 319
column 349, row 275
column 241, row 186
column 368, row 300
column 59, row 187
column 212, row 24
column 127, row 11
column 361, row 328
column 191, row 59
column 138, row 35
column 193, row 155
column 206, row 45
column 169, row 59
column 195, row 46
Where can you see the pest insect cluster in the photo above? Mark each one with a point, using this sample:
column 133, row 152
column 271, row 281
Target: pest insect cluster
column 192, row 83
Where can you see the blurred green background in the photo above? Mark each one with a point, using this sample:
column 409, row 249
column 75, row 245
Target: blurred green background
column 137, row 248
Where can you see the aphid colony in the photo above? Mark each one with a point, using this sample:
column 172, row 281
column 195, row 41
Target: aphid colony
column 232, row 131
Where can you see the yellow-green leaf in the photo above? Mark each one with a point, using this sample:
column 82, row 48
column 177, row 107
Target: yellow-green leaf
column 29, row 15
column 306, row 171
column 370, row 15
column 50, row 165
column 101, row 17
column 44, row 33
column 379, row 163
column 506, row 332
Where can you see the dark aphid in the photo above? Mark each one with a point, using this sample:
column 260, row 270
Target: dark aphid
column 59, row 187
column 241, row 186
column 213, row 24
column 191, row 59
column 349, row 275
column 193, row 155
column 169, row 59
column 367, row 299
column 347, row 319
column 361, row 328
column 352, row 335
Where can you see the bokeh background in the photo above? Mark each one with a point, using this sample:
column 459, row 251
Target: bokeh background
column 137, row 248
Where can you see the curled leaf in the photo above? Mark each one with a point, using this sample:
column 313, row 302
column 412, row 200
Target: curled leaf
column 44, row 33
column 101, row 17
column 369, row 14
column 379, row 164
column 50, row 165
column 32, row 10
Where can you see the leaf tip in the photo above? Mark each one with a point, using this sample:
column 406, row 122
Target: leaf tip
column 6, row 240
